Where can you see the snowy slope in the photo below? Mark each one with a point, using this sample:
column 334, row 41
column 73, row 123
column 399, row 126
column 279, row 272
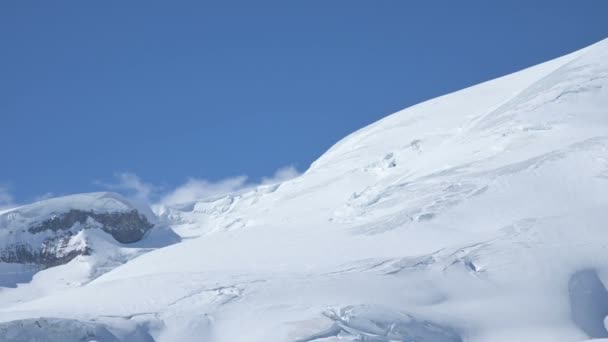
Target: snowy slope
column 476, row 216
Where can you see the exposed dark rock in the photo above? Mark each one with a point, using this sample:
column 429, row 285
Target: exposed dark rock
column 125, row 227
column 57, row 247
column 53, row 252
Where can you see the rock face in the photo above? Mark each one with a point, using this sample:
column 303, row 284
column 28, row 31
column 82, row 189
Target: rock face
column 53, row 232
column 125, row 227
column 52, row 252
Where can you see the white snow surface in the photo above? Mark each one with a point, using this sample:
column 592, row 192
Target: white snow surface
column 463, row 218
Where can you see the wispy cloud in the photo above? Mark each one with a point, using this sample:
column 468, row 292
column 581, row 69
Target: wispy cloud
column 44, row 196
column 131, row 185
column 7, row 200
column 282, row 174
column 192, row 190
column 195, row 189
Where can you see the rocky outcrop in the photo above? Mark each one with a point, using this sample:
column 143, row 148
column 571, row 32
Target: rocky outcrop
column 125, row 227
column 54, row 232
column 54, row 251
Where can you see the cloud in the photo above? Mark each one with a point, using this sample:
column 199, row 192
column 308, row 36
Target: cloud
column 282, row 174
column 195, row 189
column 192, row 190
column 7, row 200
column 44, row 196
column 131, row 185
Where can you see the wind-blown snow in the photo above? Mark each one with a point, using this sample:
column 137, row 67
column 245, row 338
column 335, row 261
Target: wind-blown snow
column 469, row 217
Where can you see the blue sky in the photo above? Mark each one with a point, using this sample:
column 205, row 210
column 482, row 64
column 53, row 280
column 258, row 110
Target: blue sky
column 148, row 97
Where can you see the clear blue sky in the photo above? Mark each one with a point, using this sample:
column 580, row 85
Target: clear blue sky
column 177, row 89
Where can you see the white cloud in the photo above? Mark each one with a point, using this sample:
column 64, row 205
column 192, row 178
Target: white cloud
column 195, row 189
column 44, row 196
column 282, row 174
column 7, row 200
column 192, row 190
column 132, row 186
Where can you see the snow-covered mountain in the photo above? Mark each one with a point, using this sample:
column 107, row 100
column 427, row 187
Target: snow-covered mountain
column 476, row 216
column 55, row 231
